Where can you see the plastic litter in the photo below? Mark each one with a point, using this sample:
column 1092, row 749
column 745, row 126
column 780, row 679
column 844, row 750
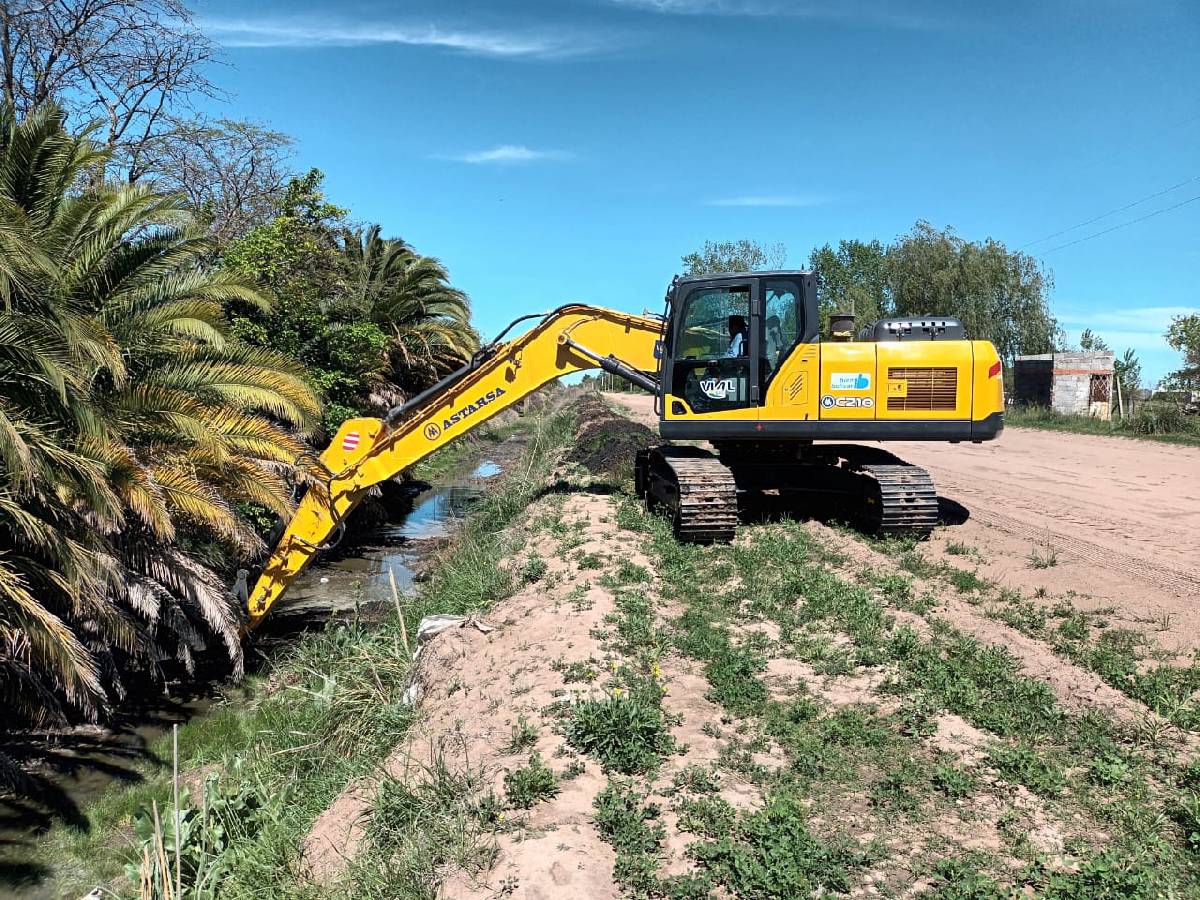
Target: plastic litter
column 431, row 626
column 412, row 694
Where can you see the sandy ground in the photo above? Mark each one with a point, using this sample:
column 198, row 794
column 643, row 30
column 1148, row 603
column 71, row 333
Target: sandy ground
column 476, row 685
column 1031, row 490
column 1121, row 516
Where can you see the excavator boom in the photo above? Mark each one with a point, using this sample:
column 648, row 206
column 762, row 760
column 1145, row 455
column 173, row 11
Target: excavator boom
column 366, row 452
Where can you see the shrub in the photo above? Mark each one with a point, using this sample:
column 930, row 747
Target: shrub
column 626, row 733
column 530, row 784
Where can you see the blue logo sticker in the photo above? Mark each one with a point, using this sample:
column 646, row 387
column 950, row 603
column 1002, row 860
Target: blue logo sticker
column 849, row 381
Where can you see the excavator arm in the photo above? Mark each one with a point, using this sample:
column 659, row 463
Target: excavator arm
column 366, row 452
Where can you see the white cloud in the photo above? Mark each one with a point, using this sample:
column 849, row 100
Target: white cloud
column 1134, row 320
column 507, row 153
column 1139, row 327
column 778, row 200
column 317, row 33
column 875, row 13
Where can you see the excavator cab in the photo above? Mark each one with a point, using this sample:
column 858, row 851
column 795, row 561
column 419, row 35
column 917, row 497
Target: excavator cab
column 901, row 379
column 737, row 361
column 727, row 338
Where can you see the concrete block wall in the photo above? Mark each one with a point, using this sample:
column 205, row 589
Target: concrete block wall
column 1071, row 394
column 1072, row 388
column 1063, row 381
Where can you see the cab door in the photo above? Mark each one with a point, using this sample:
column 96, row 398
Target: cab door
column 789, row 361
column 714, row 370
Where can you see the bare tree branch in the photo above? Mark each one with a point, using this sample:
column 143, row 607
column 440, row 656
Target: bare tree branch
column 233, row 173
column 126, row 63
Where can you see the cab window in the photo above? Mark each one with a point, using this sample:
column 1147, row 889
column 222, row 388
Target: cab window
column 781, row 324
column 712, row 322
column 712, row 350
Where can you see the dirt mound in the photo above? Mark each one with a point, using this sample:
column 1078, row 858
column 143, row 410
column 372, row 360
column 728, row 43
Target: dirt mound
column 479, row 688
column 605, row 443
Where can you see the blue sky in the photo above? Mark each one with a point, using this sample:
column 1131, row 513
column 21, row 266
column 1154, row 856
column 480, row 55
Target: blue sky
column 575, row 149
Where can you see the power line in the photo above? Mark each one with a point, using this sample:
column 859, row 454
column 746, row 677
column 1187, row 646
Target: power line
column 1157, row 212
column 1111, row 212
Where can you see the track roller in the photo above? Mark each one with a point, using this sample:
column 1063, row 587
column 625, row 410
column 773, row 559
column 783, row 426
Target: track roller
column 695, row 487
column 899, row 499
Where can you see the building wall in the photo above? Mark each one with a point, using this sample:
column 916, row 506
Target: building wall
column 1073, row 381
column 1032, row 381
column 1065, row 381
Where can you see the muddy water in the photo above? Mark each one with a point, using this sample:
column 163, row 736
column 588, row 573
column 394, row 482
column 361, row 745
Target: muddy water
column 71, row 770
column 362, row 576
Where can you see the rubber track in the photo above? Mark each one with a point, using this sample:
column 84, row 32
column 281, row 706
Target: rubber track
column 907, row 499
column 707, row 510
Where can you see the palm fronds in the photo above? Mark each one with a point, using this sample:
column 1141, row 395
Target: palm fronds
column 133, row 428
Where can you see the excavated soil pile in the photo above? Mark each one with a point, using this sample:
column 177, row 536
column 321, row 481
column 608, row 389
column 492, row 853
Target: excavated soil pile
column 606, row 443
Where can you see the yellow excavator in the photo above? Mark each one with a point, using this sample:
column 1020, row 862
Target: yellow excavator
column 737, row 361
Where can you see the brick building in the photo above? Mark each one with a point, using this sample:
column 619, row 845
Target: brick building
column 1078, row 383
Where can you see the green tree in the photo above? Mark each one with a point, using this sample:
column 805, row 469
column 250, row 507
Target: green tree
column 734, row 256
column 852, row 279
column 409, row 296
column 999, row 295
column 1128, row 371
column 297, row 259
column 133, row 426
column 1184, row 335
column 372, row 320
column 1092, row 342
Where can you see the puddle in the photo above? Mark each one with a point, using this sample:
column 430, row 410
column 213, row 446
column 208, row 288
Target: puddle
column 486, row 469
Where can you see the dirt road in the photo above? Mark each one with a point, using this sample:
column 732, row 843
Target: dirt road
column 1111, row 523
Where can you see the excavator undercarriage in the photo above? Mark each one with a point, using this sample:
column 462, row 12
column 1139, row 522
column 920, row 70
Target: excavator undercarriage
column 706, row 494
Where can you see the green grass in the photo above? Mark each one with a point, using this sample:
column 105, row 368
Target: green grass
column 1116, row 655
column 1086, row 767
column 1024, row 764
column 626, row 733
column 328, row 710
column 773, row 853
column 419, row 828
column 524, row 736
column 1153, row 423
column 530, row 784
column 631, row 824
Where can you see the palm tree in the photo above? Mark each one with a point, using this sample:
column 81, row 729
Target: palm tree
column 410, row 297
column 131, row 428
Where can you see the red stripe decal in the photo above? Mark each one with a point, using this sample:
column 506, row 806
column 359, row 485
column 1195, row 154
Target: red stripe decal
column 994, row 370
column 350, row 441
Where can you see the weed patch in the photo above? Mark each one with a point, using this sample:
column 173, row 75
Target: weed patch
column 1022, row 764
column 631, row 825
column 624, row 732
column 530, row 784
column 771, row 853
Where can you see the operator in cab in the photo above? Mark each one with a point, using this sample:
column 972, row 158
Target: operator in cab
column 737, row 337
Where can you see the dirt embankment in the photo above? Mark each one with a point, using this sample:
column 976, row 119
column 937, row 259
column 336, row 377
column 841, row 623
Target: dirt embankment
column 1119, row 519
column 813, row 748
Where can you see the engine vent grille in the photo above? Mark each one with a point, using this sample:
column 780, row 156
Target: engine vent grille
column 929, row 389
